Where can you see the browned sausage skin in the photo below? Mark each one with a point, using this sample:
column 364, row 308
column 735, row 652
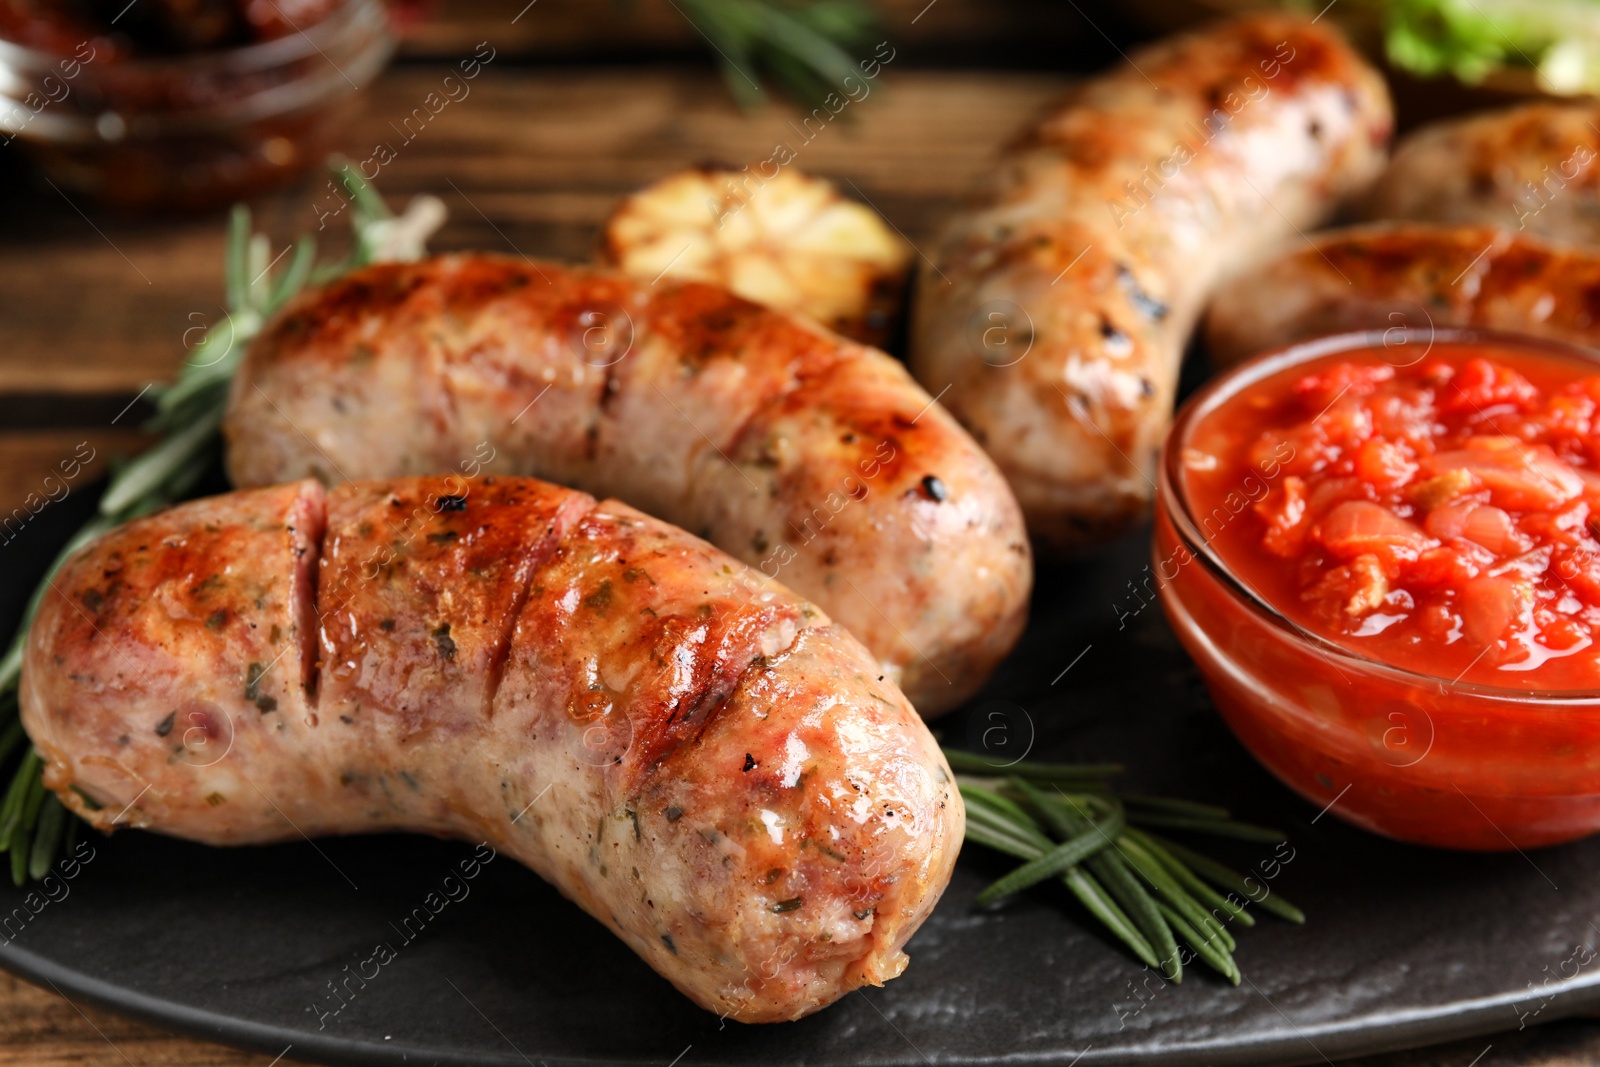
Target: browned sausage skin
column 1091, row 248
column 1534, row 169
column 1385, row 276
column 696, row 756
column 814, row 459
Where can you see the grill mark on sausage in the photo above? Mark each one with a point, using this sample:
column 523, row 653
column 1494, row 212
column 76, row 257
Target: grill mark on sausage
column 776, row 402
column 703, row 323
column 536, row 554
column 339, row 308
column 610, row 388
column 673, row 732
column 804, row 377
column 307, row 581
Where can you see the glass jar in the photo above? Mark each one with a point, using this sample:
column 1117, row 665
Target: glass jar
column 190, row 130
column 1388, row 746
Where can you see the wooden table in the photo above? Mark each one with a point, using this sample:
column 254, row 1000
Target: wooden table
column 95, row 307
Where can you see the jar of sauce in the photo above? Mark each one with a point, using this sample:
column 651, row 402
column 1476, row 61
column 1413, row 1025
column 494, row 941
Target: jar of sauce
column 182, row 105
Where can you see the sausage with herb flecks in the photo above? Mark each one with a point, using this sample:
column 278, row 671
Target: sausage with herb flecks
column 814, row 459
column 1534, row 169
column 694, row 754
column 1055, row 309
column 1386, row 276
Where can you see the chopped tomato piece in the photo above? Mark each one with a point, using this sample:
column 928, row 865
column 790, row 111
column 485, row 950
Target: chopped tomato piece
column 1569, row 526
column 1446, row 523
column 1562, row 634
column 1358, row 528
column 1481, row 385
column 1356, row 588
column 1405, row 417
column 1570, row 416
column 1492, row 528
column 1577, row 570
column 1326, row 493
column 1519, row 476
column 1448, row 566
column 1319, row 390
column 1436, row 372
column 1384, row 464
column 1292, row 453
column 1284, row 511
column 1441, row 624
column 1489, row 605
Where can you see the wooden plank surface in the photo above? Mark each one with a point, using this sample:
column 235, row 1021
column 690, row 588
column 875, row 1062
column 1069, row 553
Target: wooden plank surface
column 1045, row 34
column 95, row 307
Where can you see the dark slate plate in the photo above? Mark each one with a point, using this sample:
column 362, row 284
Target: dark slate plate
column 1405, row 946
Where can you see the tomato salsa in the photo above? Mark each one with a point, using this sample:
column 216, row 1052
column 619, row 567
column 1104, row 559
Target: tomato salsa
column 1385, row 561
column 1441, row 516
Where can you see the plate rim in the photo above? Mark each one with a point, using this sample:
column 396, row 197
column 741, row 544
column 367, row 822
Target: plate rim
column 1327, row 1042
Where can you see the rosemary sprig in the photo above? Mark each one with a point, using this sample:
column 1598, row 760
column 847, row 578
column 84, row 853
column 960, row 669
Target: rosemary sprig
column 1151, row 893
column 801, row 46
column 33, row 823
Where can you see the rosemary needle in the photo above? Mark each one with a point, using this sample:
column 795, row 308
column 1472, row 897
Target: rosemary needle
column 1187, row 878
column 1141, row 907
column 16, row 800
column 1094, row 897
column 1064, row 821
column 802, row 46
column 47, row 838
column 1171, row 806
column 1222, row 876
column 1055, row 862
column 1218, row 959
column 1164, row 886
column 1111, row 871
column 21, row 834
column 1000, row 841
column 1001, row 824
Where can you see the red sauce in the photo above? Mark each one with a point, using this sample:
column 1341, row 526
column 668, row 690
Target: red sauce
column 1440, row 516
column 1435, row 519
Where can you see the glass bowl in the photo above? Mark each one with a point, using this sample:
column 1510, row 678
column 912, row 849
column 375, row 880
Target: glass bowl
column 1388, row 747
column 193, row 130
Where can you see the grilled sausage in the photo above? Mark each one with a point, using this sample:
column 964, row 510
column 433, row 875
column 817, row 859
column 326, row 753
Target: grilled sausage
column 1059, row 300
column 816, row 460
column 1388, row 275
column 702, row 761
column 1531, row 168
